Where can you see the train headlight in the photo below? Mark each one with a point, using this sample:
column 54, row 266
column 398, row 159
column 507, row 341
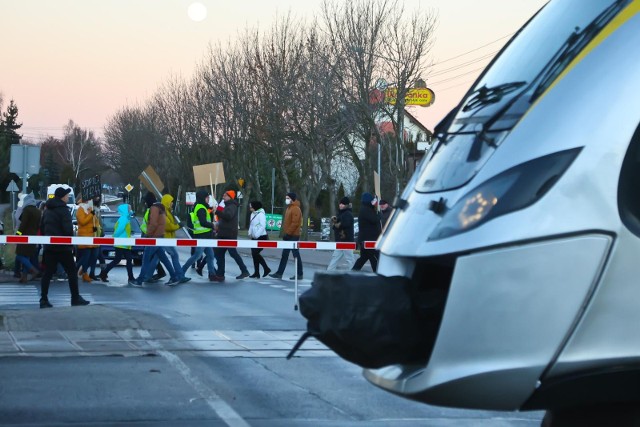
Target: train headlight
column 513, row 189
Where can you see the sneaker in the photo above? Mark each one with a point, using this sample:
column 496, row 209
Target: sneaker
column 216, row 278
column 294, row 277
column 79, row 301
column 172, row 282
column 62, row 278
column 44, row 303
column 184, row 280
column 135, row 283
column 152, row 280
column 276, row 275
column 243, row 275
column 157, row 277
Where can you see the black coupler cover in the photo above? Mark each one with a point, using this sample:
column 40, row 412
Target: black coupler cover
column 371, row 320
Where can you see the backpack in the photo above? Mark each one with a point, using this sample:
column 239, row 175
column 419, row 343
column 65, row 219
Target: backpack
column 371, row 320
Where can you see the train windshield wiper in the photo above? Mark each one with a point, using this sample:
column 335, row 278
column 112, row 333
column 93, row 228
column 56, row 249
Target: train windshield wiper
column 574, row 45
column 490, row 95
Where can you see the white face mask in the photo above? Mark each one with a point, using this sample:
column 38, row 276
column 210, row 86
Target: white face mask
column 287, row 201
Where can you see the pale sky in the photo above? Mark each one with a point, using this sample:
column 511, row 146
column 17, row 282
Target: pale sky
column 85, row 59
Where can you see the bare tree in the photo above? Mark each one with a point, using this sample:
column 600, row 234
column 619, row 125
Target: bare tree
column 80, row 149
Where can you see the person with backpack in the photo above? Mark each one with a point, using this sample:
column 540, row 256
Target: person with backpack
column 155, row 229
column 202, row 228
column 228, row 229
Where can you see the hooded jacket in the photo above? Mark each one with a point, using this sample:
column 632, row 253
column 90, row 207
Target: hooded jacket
column 201, row 199
column 123, row 225
column 171, row 225
column 56, row 221
column 29, row 224
column 88, row 224
column 293, row 219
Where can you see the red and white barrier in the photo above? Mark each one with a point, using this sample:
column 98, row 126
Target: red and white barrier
column 211, row 243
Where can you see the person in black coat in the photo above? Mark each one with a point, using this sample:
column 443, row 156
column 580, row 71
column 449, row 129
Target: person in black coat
column 342, row 225
column 56, row 221
column 369, row 230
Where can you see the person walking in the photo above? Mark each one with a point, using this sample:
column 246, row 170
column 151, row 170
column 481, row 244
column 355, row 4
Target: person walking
column 170, row 228
column 154, row 254
column 202, row 228
column 88, row 226
column 342, row 225
column 121, row 229
column 26, row 254
column 228, row 229
column 369, row 223
column 56, row 221
column 258, row 231
column 385, row 212
column 292, row 227
column 149, row 200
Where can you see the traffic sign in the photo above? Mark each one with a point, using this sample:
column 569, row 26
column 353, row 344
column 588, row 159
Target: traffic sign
column 128, row 187
column 13, row 187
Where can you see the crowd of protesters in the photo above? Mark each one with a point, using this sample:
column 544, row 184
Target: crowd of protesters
column 206, row 221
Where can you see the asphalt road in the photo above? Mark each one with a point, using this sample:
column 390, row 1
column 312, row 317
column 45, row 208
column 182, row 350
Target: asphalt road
column 199, row 354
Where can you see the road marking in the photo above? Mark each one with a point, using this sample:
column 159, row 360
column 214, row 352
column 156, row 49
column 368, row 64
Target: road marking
column 28, row 294
column 219, row 406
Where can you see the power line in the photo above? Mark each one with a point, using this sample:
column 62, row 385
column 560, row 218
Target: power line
column 456, row 76
column 473, row 50
column 464, row 64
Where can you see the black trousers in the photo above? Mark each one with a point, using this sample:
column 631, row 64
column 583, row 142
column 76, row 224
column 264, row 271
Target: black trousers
column 51, row 260
column 370, row 255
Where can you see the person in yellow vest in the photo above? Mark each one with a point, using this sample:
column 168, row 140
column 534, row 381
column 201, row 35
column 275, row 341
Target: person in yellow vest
column 202, row 228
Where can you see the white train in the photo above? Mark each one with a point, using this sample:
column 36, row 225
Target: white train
column 527, row 214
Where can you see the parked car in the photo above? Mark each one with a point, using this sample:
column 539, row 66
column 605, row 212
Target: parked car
column 108, row 225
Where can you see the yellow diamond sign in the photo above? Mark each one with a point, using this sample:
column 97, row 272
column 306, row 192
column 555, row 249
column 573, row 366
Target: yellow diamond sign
column 129, row 187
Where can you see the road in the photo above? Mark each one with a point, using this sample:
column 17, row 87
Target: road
column 199, row 354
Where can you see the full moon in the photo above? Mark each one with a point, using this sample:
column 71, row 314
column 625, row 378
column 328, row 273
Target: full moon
column 197, row 12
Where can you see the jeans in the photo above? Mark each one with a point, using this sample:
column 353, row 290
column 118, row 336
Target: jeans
column 219, row 252
column 26, row 263
column 149, row 263
column 175, row 259
column 87, row 258
column 285, row 256
column 196, row 254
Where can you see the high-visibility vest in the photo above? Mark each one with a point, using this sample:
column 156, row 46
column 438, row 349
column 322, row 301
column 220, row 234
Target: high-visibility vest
column 145, row 221
column 197, row 227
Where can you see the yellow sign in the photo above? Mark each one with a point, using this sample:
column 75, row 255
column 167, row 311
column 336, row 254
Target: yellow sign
column 129, row 187
column 423, row 97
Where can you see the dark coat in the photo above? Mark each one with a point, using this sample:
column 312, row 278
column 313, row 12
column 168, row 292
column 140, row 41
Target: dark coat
column 368, row 223
column 343, row 227
column 56, row 221
column 29, row 225
column 228, row 220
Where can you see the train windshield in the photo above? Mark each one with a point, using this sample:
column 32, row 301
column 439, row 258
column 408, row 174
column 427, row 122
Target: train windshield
column 523, row 71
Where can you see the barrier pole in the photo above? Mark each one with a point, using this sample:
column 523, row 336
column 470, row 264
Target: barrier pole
column 295, row 279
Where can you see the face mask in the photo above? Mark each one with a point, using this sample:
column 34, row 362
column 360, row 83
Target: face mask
column 287, row 201
column 374, row 201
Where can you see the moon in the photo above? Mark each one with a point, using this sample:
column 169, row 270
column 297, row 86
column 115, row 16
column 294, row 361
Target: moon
column 197, row 12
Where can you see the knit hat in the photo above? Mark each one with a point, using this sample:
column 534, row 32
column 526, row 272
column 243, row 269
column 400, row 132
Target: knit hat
column 231, row 194
column 366, row 198
column 292, row 196
column 150, row 199
column 345, row 201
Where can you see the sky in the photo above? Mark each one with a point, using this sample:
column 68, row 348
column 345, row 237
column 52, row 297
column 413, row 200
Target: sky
column 83, row 60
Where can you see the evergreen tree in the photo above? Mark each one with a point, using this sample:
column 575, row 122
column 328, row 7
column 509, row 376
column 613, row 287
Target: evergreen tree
column 8, row 135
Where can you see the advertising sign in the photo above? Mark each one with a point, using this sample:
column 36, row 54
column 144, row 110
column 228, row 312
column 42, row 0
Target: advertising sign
column 422, row 96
